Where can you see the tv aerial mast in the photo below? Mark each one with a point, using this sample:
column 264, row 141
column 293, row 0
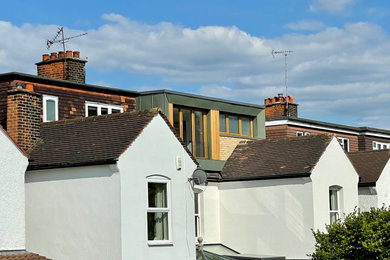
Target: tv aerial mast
column 62, row 40
column 285, row 53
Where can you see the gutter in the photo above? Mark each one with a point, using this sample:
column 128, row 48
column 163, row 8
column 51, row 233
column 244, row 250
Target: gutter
column 268, row 177
column 67, row 165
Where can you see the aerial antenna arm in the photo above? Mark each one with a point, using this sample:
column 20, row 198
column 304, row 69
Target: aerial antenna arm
column 63, row 40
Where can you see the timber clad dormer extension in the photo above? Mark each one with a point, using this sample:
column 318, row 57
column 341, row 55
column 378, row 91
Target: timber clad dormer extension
column 66, row 66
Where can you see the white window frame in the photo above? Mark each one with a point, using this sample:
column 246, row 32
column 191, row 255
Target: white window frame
column 165, row 180
column 299, row 133
column 337, row 211
column 99, row 107
column 380, row 145
column 341, row 141
column 306, row 133
column 198, row 223
column 45, row 98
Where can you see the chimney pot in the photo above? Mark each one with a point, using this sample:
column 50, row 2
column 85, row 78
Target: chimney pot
column 60, row 54
column 45, row 57
column 69, row 54
column 291, row 99
column 266, row 101
column 76, row 54
column 273, row 100
column 53, row 55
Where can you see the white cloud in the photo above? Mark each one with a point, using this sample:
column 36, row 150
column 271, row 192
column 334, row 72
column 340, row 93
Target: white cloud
column 339, row 72
column 306, row 26
column 331, row 6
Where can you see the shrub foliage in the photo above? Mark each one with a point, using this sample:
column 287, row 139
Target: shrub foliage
column 361, row 235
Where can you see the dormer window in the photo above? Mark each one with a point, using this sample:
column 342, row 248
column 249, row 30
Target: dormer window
column 97, row 109
column 344, row 143
column 231, row 124
column 50, row 108
column 380, row 145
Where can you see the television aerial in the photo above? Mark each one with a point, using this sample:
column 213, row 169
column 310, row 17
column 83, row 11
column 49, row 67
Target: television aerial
column 60, row 38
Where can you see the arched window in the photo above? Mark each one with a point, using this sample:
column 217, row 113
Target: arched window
column 335, row 203
column 159, row 209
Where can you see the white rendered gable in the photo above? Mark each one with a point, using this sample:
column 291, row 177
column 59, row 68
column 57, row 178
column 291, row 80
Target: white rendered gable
column 383, row 186
column 13, row 164
column 333, row 169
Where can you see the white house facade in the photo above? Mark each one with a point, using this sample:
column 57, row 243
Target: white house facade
column 13, row 164
column 274, row 192
column 373, row 168
column 138, row 204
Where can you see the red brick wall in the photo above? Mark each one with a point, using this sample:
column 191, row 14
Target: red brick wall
column 290, row 131
column 71, row 102
column 23, row 117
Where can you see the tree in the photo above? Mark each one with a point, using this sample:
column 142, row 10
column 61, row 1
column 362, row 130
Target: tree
column 361, row 235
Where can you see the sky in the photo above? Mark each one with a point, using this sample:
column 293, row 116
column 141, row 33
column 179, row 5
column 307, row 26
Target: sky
column 338, row 70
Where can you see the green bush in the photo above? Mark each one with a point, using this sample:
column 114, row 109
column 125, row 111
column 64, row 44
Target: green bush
column 361, row 235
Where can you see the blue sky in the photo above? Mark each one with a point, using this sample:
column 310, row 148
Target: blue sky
column 338, row 72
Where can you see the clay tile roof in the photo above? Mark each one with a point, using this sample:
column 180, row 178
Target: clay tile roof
column 87, row 141
column 22, row 256
column 369, row 164
column 275, row 158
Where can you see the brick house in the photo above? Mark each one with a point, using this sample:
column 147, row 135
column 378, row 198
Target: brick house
column 282, row 121
column 58, row 92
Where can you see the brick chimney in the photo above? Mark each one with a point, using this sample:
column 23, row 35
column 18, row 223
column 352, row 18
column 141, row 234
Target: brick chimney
column 67, row 66
column 277, row 106
column 24, row 117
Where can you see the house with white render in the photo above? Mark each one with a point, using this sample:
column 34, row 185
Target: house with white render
column 110, row 187
column 272, row 193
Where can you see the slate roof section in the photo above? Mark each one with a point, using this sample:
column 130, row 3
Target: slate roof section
column 275, row 158
column 88, row 141
column 369, row 165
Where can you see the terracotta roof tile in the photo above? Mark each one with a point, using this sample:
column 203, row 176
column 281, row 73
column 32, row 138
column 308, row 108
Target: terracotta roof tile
column 87, row 141
column 369, row 164
column 283, row 157
column 22, row 256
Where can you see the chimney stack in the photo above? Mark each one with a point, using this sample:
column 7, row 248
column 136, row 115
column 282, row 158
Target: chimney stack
column 66, row 66
column 277, row 106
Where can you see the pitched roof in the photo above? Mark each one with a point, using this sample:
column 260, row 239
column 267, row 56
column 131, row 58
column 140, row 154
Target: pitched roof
column 369, row 164
column 87, row 141
column 275, row 158
column 22, row 255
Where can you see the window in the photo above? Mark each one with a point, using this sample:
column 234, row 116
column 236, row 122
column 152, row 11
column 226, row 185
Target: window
column 95, row 109
column 235, row 125
column 50, row 108
column 334, row 203
column 380, row 146
column 344, row 143
column 197, row 215
column 300, row 133
column 158, row 213
column 192, row 128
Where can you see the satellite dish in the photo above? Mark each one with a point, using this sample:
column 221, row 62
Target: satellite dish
column 199, row 176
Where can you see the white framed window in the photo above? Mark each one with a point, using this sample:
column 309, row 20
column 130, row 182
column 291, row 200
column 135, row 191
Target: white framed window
column 97, row 109
column 299, row 133
column 306, row 133
column 50, row 108
column 197, row 215
column 344, row 143
column 158, row 211
column 380, row 145
column 334, row 203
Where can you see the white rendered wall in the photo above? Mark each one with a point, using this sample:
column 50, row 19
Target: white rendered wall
column 267, row 217
column 154, row 152
column 367, row 198
column 74, row 213
column 210, row 217
column 13, row 164
column 333, row 168
column 383, row 187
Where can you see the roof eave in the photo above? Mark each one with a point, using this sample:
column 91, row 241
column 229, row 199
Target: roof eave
column 268, row 177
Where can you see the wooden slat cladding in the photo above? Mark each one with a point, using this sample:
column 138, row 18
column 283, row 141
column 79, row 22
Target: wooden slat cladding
column 276, row 131
column 365, row 142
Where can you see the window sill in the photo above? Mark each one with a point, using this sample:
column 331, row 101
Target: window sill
column 238, row 136
column 160, row 243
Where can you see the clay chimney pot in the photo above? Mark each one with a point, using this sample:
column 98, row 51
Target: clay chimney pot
column 273, row 100
column 45, row 57
column 69, row 54
column 266, row 101
column 76, row 54
column 53, row 55
column 60, row 54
